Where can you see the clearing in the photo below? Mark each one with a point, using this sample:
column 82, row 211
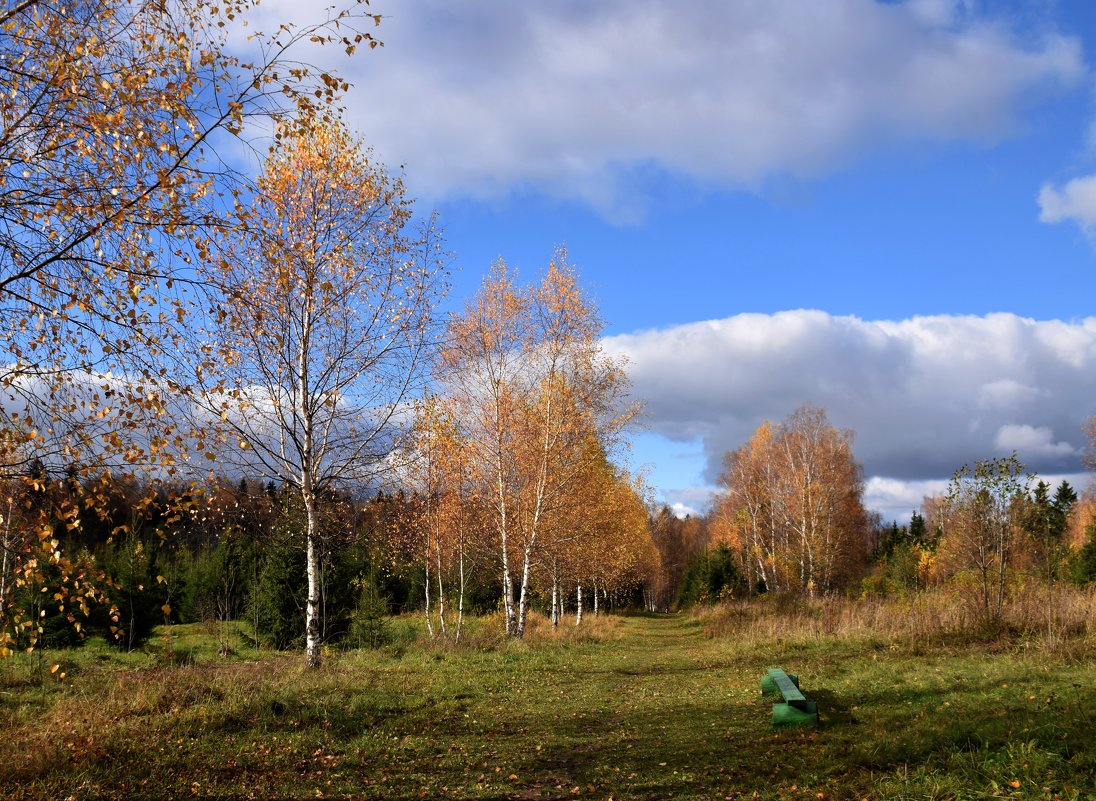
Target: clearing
column 639, row 708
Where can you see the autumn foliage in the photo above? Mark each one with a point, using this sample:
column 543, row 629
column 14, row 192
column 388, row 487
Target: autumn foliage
column 539, row 406
column 120, row 122
column 792, row 508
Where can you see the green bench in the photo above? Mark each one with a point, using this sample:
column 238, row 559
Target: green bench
column 795, row 709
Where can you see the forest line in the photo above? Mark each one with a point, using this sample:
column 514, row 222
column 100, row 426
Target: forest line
column 230, row 393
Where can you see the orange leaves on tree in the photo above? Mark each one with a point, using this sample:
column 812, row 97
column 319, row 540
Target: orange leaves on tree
column 525, row 372
column 326, row 307
column 792, row 510
column 110, row 112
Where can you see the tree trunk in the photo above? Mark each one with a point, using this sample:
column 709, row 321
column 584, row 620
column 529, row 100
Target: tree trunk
column 507, row 580
column 555, row 596
column 460, row 592
column 312, row 608
column 578, row 601
column 426, row 590
column 441, row 595
column 308, row 492
column 1002, row 566
column 596, row 610
column 538, row 508
column 4, row 554
column 523, row 601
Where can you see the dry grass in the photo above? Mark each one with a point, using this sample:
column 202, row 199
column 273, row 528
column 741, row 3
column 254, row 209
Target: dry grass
column 592, row 629
column 632, row 709
column 488, row 632
column 1048, row 618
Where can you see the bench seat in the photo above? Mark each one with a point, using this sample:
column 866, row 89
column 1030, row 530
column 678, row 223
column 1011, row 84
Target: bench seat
column 795, row 709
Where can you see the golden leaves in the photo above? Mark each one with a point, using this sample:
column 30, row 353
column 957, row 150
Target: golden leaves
column 108, row 112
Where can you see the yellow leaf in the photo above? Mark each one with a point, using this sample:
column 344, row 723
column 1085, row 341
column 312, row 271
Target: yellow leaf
column 54, row 669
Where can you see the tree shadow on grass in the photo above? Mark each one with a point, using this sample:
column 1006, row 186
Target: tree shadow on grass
column 833, row 709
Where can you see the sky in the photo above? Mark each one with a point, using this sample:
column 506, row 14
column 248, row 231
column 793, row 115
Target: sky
column 885, row 209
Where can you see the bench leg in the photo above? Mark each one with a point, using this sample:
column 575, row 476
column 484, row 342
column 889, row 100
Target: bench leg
column 788, row 715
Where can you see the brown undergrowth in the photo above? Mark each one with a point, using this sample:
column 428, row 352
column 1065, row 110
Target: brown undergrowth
column 1051, row 619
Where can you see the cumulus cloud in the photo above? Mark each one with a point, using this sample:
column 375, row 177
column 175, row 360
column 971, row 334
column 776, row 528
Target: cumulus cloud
column 1036, row 442
column 1075, row 202
column 895, row 499
column 690, row 500
column 924, row 395
column 582, row 100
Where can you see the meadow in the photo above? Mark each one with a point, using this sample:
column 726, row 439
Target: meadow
column 632, row 707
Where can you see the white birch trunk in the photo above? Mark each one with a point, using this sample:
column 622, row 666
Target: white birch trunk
column 538, row 509
column 312, row 607
column 555, row 595
column 308, row 495
column 4, row 566
column 426, row 589
column 460, row 592
column 523, row 602
column 441, row 594
column 507, row 581
column 578, row 601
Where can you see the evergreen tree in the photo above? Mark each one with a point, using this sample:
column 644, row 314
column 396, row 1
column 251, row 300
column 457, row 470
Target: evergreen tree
column 1064, row 498
column 277, row 603
column 1046, row 520
column 131, row 564
column 918, row 532
column 1083, row 567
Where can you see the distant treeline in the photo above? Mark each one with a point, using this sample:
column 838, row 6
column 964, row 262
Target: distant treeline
column 147, row 555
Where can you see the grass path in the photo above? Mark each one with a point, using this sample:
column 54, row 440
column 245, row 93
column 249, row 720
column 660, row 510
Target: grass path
column 655, row 710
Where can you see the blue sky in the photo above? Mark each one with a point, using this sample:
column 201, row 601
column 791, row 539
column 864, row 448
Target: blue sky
column 880, row 208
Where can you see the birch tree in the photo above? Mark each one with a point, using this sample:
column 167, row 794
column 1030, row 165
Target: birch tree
column 444, row 527
column 525, row 368
column 323, row 326
column 116, row 117
column 818, row 498
column 792, row 505
column 117, row 121
column 619, row 537
column 744, row 517
column 600, row 535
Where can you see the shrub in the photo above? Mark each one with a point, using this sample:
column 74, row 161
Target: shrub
column 369, row 626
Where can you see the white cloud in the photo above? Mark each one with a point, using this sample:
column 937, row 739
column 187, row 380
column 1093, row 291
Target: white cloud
column 1076, row 202
column 924, row 395
column 581, row 100
column 689, row 501
column 1036, row 442
column 895, row 499
column 682, row 511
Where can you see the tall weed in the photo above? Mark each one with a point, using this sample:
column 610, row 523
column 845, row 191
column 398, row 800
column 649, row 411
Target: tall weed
column 1045, row 617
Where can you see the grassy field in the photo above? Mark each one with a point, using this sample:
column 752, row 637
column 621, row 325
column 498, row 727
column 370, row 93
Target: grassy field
column 632, row 708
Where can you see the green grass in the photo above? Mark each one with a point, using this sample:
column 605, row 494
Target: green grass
column 643, row 707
